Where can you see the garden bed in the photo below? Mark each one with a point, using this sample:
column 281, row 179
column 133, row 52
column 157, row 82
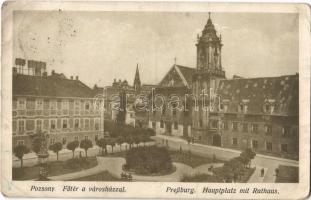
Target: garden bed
column 287, row 174
column 103, row 176
column 192, row 159
column 55, row 168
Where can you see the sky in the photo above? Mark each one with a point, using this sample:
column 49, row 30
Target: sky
column 101, row 46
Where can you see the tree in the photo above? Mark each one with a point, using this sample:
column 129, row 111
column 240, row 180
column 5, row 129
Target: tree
column 36, row 144
column 102, row 143
column 137, row 139
column 112, row 143
column 120, row 141
column 86, row 144
column 144, row 138
column 72, row 147
column 56, row 147
column 130, row 140
column 247, row 155
column 20, row 151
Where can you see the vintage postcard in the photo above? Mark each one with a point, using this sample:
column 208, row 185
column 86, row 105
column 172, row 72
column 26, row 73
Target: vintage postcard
column 155, row 100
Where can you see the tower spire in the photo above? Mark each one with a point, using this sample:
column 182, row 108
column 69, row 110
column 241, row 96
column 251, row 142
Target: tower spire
column 209, row 15
column 137, row 82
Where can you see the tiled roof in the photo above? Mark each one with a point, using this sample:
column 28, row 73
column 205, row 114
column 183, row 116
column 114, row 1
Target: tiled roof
column 187, row 72
column 51, row 86
column 281, row 91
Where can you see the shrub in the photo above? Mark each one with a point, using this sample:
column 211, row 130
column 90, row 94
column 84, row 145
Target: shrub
column 20, row 151
column 56, row 147
column 86, row 144
column 148, row 160
column 72, row 147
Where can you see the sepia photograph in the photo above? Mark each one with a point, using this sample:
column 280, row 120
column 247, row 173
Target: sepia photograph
column 129, row 96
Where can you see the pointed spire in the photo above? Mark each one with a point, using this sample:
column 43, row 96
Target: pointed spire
column 137, row 82
column 209, row 15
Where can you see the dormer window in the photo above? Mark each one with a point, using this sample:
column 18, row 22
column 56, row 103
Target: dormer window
column 269, row 106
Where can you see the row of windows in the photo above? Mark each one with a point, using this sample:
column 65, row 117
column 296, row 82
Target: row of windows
column 63, row 141
column 175, row 125
column 268, row 145
column 51, row 124
column 243, row 108
column 246, row 127
column 65, row 104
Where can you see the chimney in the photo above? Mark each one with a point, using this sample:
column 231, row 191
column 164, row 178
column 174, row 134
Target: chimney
column 14, row 71
column 71, row 77
column 77, row 77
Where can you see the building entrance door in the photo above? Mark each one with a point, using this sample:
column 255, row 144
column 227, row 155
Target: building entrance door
column 217, row 140
column 168, row 128
column 185, row 130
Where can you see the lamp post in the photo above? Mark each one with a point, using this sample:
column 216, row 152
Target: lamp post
column 43, row 156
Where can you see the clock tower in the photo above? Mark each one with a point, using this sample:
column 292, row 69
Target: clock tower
column 208, row 73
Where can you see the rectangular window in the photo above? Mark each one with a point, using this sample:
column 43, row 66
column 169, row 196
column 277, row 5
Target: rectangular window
column 268, row 129
column 86, row 137
column 21, row 126
column 77, row 104
column 53, row 124
column 245, row 127
column 174, row 112
column 87, row 124
column 175, row 125
column 59, row 104
column 97, row 124
column 225, row 125
column 76, row 138
column 235, row 126
column 64, row 140
column 96, row 137
column 53, row 105
column 214, row 123
column 284, row 148
column 20, row 142
column 39, row 125
column 161, row 124
column 200, row 123
column 14, row 126
column 21, row 104
column 52, row 141
column 269, row 146
column 39, row 104
column 234, row 141
column 65, row 104
column 65, row 123
column 285, row 131
column 254, row 144
column 254, row 128
column 76, row 123
column 87, row 105
column 154, row 125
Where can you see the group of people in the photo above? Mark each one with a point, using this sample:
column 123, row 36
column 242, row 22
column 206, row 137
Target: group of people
column 126, row 176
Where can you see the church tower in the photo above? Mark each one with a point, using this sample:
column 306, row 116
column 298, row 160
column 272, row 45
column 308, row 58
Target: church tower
column 208, row 74
column 137, row 83
column 209, row 67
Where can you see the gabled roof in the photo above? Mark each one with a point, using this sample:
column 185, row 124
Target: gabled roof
column 281, row 91
column 184, row 76
column 50, row 86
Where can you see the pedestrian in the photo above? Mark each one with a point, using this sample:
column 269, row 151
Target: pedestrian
column 276, row 172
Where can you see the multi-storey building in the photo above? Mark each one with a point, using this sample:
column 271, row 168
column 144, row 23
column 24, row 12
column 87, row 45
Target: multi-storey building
column 261, row 113
column 63, row 108
column 171, row 114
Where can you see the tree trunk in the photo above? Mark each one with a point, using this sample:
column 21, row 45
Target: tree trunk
column 86, row 153
column 111, row 149
column 57, row 156
column 21, row 162
column 73, row 154
column 120, row 147
column 106, row 152
column 102, row 151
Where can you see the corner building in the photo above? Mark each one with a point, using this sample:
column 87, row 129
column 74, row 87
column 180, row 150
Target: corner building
column 61, row 107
